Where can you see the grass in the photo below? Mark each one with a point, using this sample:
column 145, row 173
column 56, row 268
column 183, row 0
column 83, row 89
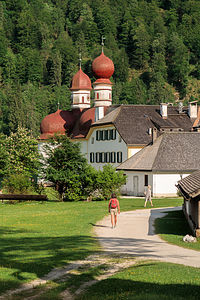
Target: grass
column 173, row 227
column 148, row 280
column 35, row 237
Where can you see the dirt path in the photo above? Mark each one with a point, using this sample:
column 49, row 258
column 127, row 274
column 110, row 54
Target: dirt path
column 135, row 236
column 107, row 264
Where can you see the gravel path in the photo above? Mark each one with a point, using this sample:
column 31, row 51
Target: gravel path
column 134, row 235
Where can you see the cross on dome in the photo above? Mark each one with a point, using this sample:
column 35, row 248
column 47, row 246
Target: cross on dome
column 102, row 42
column 80, row 59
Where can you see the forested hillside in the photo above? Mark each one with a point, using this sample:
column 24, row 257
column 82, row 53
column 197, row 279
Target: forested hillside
column 155, row 46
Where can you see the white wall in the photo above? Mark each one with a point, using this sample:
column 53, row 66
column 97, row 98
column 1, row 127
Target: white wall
column 132, row 151
column 164, row 184
column 117, row 145
column 135, row 183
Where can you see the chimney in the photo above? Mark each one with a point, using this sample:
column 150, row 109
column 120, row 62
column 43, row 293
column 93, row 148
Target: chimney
column 154, row 134
column 192, row 110
column 99, row 113
column 180, row 107
column 163, row 110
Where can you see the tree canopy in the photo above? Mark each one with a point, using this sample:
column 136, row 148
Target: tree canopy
column 73, row 177
column 155, row 46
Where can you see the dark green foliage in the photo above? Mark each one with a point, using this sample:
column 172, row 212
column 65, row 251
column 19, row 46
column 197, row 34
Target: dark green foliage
column 155, row 46
column 109, row 181
column 67, row 168
column 17, row 184
column 73, row 177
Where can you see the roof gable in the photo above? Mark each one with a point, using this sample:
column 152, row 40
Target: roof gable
column 171, row 152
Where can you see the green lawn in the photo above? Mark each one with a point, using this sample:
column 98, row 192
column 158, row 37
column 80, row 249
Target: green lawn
column 173, row 227
column 148, row 280
column 35, row 237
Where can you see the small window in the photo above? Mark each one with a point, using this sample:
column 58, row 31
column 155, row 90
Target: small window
column 97, row 135
column 120, row 139
column 113, row 157
column 106, row 135
column 100, row 157
column 92, row 140
column 92, row 157
column 110, row 134
column 82, row 99
column 119, row 157
column 97, row 95
column 101, row 135
column 107, row 157
column 109, row 95
column 146, row 180
column 97, row 157
column 114, row 134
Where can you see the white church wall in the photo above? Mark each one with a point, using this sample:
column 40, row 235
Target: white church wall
column 102, row 149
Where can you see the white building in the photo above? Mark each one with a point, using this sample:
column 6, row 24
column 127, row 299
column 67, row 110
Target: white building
column 114, row 133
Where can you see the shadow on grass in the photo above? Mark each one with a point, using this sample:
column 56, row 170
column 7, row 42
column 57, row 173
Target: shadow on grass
column 24, row 257
column 138, row 290
column 173, row 223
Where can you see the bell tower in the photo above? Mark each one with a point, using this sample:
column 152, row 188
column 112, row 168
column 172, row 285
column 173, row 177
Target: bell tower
column 103, row 69
column 80, row 89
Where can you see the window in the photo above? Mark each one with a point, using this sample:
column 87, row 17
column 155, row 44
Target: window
column 97, row 95
column 109, row 95
column 92, row 157
column 119, row 157
column 146, row 180
column 120, row 139
column 111, row 134
column 97, row 157
column 82, row 99
column 107, row 157
column 106, row 135
column 101, row 135
column 113, row 157
column 92, row 140
column 97, row 135
column 114, row 134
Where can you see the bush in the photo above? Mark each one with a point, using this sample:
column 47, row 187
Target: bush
column 17, row 184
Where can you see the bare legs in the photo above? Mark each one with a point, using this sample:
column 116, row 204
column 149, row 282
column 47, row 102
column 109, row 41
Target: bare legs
column 113, row 220
column 146, row 202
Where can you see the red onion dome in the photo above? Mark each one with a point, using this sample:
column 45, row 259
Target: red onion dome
column 59, row 122
column 103, row 67
column 81, row 81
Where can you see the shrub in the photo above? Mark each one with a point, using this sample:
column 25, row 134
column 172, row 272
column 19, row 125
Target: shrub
column 17, row 184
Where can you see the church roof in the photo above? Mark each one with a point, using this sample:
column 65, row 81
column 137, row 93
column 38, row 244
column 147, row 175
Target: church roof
column 59, row 122
column 171, row 152
column 81, row 81
column 133, row 121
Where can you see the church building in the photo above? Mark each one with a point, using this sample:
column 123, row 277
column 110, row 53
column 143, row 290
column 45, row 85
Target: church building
column 114, row 133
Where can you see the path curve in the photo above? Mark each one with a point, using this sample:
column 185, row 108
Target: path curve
column 134, row 235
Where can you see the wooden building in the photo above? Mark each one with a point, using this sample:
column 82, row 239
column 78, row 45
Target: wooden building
column 190, row 189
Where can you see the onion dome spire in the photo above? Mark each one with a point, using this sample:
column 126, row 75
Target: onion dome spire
column 103, row 69
column 80, row 88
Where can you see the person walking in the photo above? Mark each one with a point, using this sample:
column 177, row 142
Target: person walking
column 114, row 209
column 148, row 196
